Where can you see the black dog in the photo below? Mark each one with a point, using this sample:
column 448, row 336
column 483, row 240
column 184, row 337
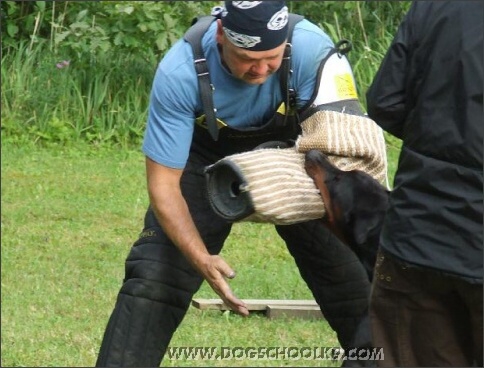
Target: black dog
column 355, row 205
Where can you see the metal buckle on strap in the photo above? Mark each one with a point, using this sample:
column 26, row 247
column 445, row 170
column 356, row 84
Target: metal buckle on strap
column 198, row 62
column 287, row 51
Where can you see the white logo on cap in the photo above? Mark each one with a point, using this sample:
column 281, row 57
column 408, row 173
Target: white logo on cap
column 245, row 4
column 241, row 40
column 278, row 20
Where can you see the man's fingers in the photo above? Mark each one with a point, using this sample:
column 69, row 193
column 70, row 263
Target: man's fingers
column 223, row 290
column 233, row 302
column 236, row 305
column 216, row 275
column 226, row 293
column 225, row 269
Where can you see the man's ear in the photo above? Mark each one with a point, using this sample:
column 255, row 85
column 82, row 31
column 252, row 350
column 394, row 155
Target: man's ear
column 220, row 32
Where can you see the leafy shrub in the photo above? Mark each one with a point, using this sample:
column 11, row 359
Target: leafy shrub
column 83, row 70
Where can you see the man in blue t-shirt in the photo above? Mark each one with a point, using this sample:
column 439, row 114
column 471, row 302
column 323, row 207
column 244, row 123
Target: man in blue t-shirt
column 182, row 235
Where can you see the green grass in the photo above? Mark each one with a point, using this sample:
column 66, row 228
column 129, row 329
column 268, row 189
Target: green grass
column 69, row 217
column 65, row 228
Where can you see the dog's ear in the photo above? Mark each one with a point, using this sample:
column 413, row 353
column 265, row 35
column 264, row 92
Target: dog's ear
column 371, row 211
column 362, row 227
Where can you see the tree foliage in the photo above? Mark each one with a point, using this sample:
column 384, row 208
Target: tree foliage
column 85, row 28
column 83, row 69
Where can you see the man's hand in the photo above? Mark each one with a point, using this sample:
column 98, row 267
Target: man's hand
column 215, row 270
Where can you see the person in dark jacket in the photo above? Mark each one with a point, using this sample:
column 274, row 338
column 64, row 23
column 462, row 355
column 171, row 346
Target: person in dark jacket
column 426, row 302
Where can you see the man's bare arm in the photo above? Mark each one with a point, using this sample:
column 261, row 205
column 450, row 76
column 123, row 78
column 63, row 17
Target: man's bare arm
column 172, row 213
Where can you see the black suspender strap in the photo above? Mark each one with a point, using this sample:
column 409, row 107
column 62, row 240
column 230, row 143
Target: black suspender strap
column 288, row 94
column 194, row 37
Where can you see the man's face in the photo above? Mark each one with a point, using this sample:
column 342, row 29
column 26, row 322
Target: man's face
column 253, row 67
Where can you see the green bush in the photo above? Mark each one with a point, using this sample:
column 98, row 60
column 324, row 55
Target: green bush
column 83, row 70
column 75, row 70
column 84, row 29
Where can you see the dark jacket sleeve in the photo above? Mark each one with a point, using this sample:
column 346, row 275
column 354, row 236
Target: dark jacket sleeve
column 387, row 102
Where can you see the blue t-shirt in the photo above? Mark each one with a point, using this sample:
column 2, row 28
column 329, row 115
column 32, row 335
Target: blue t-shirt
column 175, row 100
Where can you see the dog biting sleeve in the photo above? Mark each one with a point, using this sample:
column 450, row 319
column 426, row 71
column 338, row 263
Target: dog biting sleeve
column 271, row 185
column 351, row 142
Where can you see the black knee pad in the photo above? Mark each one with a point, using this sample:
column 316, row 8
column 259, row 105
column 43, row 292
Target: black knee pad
column 161, row 273
column 156, row 270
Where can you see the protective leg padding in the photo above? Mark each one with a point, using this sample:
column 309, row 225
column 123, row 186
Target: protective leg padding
column 138, row 332
column 156, row 293
column 336, row 278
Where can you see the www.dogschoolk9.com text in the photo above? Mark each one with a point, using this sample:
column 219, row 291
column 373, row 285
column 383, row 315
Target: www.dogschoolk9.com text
column 273, row 353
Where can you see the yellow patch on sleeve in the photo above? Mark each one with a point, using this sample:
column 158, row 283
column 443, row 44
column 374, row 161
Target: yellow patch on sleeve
column 345, row 87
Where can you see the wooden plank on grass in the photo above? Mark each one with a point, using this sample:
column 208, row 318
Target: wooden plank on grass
column 252, row 304
column 294, row 311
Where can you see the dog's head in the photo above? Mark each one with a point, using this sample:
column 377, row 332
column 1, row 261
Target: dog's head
column 355, row 205
column 355, row 202
column 317, row 165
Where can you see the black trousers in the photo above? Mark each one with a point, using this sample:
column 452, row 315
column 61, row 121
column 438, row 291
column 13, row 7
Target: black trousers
column 159, row 282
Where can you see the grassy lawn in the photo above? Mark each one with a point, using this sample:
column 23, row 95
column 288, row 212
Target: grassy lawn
column 69, row 217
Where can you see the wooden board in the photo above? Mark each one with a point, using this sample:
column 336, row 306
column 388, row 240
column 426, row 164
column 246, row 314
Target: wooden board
column 295, row 311
column 252, row 304
column 273, row 308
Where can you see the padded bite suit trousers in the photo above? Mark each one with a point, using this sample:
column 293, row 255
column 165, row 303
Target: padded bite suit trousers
column 159, row 282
